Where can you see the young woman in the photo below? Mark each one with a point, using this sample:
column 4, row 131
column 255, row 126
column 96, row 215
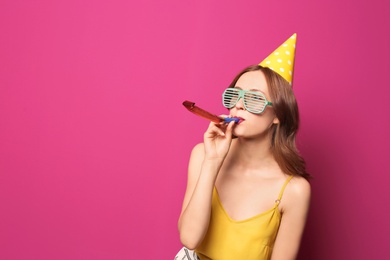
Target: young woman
column 247, row 194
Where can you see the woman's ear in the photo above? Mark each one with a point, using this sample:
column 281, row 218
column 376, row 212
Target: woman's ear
column 276, row 121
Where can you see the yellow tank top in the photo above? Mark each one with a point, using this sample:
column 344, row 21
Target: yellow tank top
column 249, row 239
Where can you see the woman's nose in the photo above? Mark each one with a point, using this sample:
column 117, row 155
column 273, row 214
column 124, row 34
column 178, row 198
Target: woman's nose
column 240, row 104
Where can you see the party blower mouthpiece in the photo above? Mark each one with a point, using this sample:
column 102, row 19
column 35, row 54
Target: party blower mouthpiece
column 207, row 115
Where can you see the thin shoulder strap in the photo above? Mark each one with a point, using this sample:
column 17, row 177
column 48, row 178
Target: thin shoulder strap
column 283, row 187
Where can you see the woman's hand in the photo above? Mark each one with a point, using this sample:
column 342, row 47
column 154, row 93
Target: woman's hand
column 217, row 140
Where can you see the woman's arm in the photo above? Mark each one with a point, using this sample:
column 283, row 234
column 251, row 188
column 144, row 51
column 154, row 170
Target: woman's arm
column 205, row 162
column 296, row 200
column 195, row 215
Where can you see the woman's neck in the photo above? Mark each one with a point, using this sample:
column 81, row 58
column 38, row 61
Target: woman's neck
column 252, row 153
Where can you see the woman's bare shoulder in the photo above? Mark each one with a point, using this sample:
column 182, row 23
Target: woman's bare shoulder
column 196, row 158
column 198, row 148
column 299, row 184
column 197, row 153
column 298, row 190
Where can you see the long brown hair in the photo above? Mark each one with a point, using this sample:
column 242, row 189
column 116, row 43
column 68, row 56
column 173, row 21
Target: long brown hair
column 283, row 134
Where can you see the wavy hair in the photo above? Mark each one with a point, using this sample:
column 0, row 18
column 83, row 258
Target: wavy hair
column 283, row 145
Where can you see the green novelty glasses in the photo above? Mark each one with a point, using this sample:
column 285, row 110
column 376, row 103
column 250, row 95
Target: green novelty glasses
column 254, row 101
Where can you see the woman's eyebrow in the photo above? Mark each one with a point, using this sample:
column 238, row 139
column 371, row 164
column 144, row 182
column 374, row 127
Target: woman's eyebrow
column 252, row 89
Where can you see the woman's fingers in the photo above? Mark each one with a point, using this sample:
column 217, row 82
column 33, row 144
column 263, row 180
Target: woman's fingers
column 214, row 130
column 229, row 129
column 217, row 140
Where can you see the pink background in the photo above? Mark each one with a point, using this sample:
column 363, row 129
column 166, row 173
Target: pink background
column 94, row 141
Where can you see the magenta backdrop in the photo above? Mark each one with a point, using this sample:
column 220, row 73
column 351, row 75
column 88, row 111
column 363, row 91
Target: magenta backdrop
column 94, row 141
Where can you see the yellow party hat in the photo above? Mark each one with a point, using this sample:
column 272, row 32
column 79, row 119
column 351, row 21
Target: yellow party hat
column 282, row 59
